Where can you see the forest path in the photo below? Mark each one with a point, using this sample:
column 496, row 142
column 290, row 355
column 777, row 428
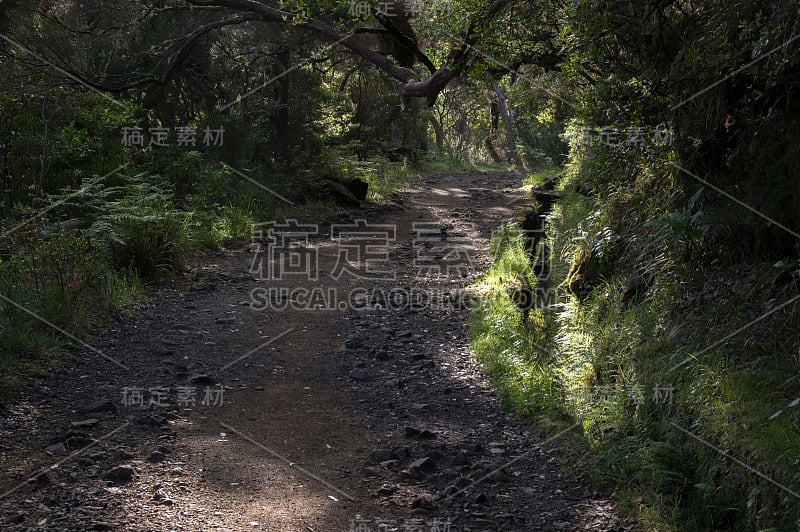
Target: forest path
column 329, row 418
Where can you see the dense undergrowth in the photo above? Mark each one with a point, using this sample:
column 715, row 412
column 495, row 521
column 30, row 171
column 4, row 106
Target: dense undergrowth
column 86, row 255
column 672, row 341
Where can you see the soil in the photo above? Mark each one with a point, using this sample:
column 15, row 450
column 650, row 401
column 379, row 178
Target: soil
column 364, row 412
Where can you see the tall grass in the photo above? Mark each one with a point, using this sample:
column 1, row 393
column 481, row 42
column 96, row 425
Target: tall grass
column 689, row 403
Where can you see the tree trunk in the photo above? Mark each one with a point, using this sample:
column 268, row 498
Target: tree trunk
column 511, row 141
column 438, row 132
column 396, row 134
column 492, row 152
column 281, row 115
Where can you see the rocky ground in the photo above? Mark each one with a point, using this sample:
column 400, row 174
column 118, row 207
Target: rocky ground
column 236, row 401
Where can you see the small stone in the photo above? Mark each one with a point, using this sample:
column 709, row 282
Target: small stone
column 91, row 422
column 120, row 475
column 386, row 490
column 84, row 461
column 120, row 454
column 156, row 457
column 353, row 343
column 64, row 436
column 202, row 380
column 99, row 407
column 161, row 498
column 422, row 434
column 358, row 374
column 56, row 448
column 424, row 503
column 422, row 464
column 149, row 420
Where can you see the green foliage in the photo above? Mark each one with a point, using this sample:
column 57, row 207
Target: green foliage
column 508, row 345
column 641, row 353
column 685, row 226
column 53, row 280
column 134, row 221
column 56, row 137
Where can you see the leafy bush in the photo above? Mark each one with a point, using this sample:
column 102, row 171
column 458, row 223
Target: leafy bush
column 133, row 220
column 53, row 282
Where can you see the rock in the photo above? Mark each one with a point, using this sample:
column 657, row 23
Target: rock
column 91, row 422
column 79, row 442
column 354, row 343
column 120, row 454
column 380, row 455
column 84, row 461
column 336, row 191
column 423, row 464
column 421, row 467
column 406, row 476
column 56, row 448
column 358, row 374
column 202, row 380
column 149, row 420
column 425, row 503
column 422, row 434
column 386, row 490
column 120, row 475
column 156, row 457
column 64, row 436
column 357, row 187
column 161, row 498
column 102, row 406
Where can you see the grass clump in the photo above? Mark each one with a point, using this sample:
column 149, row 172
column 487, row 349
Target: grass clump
column 678, row 360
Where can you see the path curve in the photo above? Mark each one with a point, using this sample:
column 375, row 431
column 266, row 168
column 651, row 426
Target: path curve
column 328, row 419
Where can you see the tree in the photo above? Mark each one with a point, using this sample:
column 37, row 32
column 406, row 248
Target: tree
column 467, row 24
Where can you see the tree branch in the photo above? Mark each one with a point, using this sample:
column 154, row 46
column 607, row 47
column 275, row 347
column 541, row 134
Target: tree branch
column 345, row 39
column 405, row 40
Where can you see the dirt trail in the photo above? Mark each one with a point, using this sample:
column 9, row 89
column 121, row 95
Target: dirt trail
column 328, row 419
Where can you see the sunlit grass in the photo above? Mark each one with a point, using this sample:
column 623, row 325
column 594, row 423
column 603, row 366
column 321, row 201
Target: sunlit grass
column 510, row 348
column 612, row 363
